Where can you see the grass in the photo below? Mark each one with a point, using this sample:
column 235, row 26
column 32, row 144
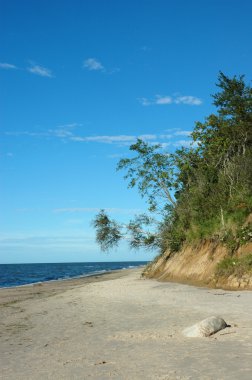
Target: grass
column 234, row 266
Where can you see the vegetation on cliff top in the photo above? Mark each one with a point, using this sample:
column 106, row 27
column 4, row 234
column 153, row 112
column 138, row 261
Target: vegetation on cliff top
column 196, row 193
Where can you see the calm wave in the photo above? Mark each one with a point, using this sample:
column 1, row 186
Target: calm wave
column 23, row 274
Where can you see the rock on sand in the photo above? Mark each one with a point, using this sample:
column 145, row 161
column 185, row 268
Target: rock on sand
column 207, row 327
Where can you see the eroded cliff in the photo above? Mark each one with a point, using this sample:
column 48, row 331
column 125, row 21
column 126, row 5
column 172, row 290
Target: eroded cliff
column 197, row 265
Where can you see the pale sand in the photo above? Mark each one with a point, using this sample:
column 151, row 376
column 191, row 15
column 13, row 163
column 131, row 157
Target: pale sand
column 122, row 327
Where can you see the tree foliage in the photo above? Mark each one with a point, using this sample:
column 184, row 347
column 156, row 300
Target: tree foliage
column 151, row 171
column 108, row 231
column 139, row 231
column 199, row 191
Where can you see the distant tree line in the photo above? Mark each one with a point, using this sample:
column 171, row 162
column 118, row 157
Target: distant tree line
column 195, row 193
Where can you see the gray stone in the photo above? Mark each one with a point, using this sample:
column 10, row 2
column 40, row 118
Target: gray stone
column 207, row 327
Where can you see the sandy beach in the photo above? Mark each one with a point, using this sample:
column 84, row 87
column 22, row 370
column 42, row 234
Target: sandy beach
column 121, row 326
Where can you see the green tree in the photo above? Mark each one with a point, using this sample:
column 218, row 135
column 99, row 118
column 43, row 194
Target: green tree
column 139, row 232
column 196, row 190
column 108, row 231
column 152, row 171
column 228, row 134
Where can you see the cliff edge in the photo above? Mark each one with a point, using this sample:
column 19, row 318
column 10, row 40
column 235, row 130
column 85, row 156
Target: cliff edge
column 200, row 265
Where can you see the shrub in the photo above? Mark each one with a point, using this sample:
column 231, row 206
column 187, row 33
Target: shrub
column 234, row 266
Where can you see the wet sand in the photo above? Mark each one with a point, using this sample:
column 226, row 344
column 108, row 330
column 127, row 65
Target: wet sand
column 119, row 326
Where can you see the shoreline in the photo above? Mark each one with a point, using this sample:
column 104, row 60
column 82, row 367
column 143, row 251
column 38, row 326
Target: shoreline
column 61, row 275
column 94, row 274
column 20, row 293
column 122, row 326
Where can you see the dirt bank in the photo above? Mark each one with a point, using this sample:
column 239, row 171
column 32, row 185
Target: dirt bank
column 196, row 265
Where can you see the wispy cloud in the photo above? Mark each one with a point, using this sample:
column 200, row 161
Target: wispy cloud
column 27, row 133
column 164, row 140
column 7, row 66
column 33, row 68
column 185, row 143
column 190, row 100
column 116, row 155
column 110, row 139
column 64, row 131
column 40, row 70
column 104, row 139
column 69, row 133
column 114, row 70
column 170, row 136
column 164, row 100
column 182, row 133
column 73, row 210
column 93, row 64
column 46, row 241
column 144, row 101
column 147, row 137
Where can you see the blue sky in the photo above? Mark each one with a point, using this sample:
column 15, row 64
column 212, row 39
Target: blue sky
column 80, row 81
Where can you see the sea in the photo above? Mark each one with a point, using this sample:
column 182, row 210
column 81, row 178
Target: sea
column 28, row 274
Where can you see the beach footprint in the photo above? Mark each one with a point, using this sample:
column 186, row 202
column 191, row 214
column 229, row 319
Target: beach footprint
column 89, row 324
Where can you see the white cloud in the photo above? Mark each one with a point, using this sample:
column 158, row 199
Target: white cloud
column 166, row 136
column 164, row 100
column 70, row 125
column 144, row 101
column 185, row 143
column 158, row 100
column 46, row 241
column 7, row 66
column 34, row 69
column 61, row 131
column 40, row 70
column 116, row 155
column 28, row 133
column 129, row 139
column 147, row 137
column 96, row 209
column 190, row 100
column 183, row 133
column 65, row 130
column 67, row 133
column 105, row 139
column 164, row 145
column 93, row 64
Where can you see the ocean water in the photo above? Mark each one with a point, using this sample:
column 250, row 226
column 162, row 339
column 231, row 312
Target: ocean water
column 24, row 274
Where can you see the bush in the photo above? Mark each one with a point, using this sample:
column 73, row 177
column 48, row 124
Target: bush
column 177, row 238
column 234, row 266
